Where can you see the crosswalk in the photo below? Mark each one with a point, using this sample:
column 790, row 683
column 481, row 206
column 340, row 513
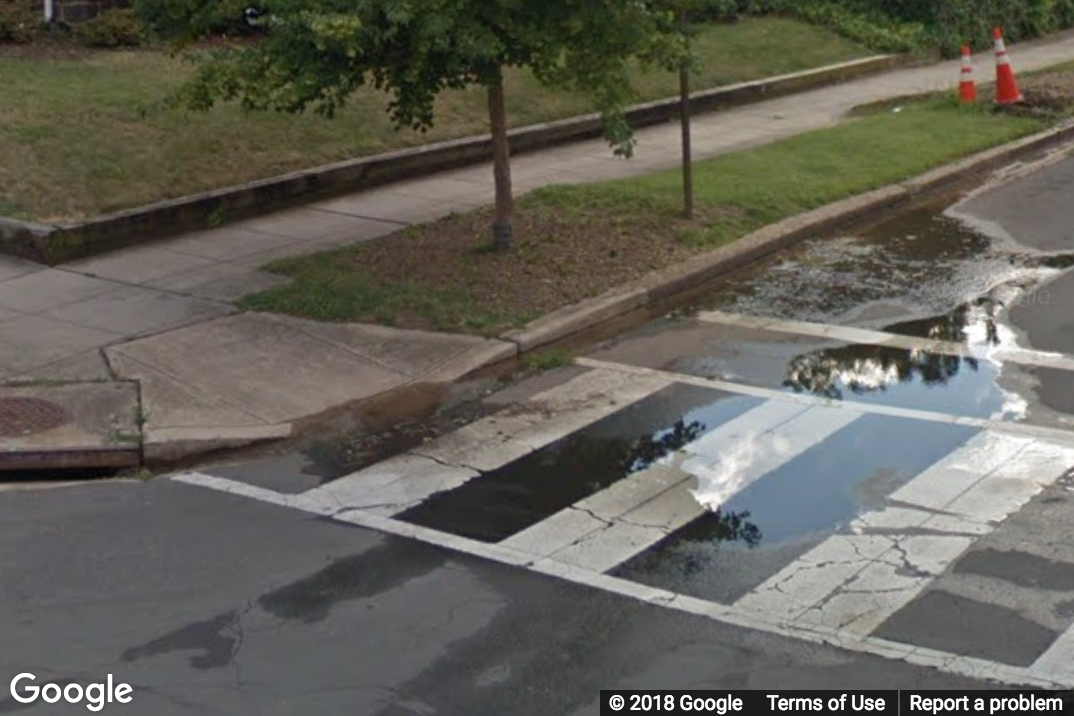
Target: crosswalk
column 840, row 591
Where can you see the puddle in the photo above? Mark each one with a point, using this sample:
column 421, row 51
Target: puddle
column 922, row 274
column 380, row 432
column 794, row 507
column 522, row 493
column 871, row 374
column 919, row 264
column 902, row 378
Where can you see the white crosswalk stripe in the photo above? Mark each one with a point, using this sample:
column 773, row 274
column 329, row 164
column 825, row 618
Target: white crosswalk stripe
column 397, row 484
column 855, row 582
column 612, row 526
column 840, row 591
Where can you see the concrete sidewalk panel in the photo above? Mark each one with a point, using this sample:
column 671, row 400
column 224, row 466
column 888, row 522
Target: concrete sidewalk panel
column 13, row 267
column 138, row 265
column 44, row 290
column 305, row 224
column 221, row 282
column 6, row 315
column 87, row 367
column 386, row 205
column 228, row 243
column 410, row 352
column 170, row 403
column 32, row 341
column 133, row 311
column 265, row 367
column 98, row 427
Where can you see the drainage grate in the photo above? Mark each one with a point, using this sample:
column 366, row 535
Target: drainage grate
column 25, row 416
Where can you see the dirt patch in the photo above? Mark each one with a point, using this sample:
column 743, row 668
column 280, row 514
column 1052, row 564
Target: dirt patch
column 1047, row 95
column 560, row 258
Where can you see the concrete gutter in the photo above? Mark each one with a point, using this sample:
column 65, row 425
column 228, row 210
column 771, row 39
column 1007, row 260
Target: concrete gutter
column 65, row 242
column 669, row 283
column 607, row 312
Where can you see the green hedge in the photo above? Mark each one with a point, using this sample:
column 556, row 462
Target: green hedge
column 20, row 21
column 902, row 25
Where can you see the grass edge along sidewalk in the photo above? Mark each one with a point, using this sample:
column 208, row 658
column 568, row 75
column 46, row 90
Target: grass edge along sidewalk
column 55, row 177
column 606, row 241
column 54, row 244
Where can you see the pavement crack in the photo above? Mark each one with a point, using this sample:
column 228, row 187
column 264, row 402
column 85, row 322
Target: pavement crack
column 240, row 640
column 603, row 520
column 908, row 568
column 444, row 463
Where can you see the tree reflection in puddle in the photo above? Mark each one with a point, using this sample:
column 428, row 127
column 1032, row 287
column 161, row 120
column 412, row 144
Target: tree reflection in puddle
column 649, row 449
column 864, row 369
column 860, row 369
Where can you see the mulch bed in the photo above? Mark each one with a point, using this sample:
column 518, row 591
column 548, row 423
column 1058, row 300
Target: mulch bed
column 1046, row 95
column 557, row 260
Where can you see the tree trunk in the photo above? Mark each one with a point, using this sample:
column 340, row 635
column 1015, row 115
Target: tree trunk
column 502, row 235
column 687, row 150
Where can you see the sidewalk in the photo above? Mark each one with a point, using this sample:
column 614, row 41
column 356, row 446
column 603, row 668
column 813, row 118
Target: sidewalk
column 162, row 314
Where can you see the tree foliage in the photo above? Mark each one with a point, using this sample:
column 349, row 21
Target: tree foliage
column 315, row 53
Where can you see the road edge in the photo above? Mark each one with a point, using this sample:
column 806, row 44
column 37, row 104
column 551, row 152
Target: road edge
column 664, row 284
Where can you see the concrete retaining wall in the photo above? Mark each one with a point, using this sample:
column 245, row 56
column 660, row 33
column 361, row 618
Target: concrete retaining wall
column 56, row 244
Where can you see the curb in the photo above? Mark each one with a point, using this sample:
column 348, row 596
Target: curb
column 66, row 242
column 168, row 446
column 670, row 282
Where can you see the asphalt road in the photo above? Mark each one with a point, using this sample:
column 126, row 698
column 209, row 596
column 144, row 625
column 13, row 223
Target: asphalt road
column 532, row 574
column 208, row 603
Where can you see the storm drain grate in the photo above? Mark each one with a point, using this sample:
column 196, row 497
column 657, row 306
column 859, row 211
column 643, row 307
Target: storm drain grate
column 25, row 416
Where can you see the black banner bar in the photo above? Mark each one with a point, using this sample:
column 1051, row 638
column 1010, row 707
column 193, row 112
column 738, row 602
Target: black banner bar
column 842, row 703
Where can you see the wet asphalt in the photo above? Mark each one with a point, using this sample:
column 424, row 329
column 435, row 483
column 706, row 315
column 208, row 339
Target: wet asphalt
column 209, row 603
column 212, row 604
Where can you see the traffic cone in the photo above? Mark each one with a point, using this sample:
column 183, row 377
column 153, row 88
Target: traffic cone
column 1006, row 88
column 967, row 88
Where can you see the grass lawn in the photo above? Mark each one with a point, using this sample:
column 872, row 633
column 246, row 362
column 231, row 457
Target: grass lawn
column 85, row 135
column 578, row 241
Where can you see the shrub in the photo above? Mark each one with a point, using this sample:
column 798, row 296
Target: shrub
column 205, row 19
column 20, row 21
column 719, row 10
column 945, row 25
column 871, row 28
column 112, row 28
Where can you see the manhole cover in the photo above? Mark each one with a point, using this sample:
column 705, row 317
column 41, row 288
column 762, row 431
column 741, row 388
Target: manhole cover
column 25, row 416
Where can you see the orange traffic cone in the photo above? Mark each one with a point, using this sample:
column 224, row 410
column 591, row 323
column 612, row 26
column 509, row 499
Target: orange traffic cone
column 967, row 88
column 1006, row 88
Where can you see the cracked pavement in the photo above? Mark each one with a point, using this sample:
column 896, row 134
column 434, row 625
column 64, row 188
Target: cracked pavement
column 208, row 603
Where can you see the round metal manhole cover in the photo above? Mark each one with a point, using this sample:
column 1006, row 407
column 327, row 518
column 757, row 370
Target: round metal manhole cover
column 26, row 416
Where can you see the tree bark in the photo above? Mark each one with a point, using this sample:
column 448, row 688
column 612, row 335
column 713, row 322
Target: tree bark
column 687, row 149
column 502, row 232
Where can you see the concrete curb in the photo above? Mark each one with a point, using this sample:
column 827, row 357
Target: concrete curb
column 167, row 445
column 65, row 242
column 667, row 283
